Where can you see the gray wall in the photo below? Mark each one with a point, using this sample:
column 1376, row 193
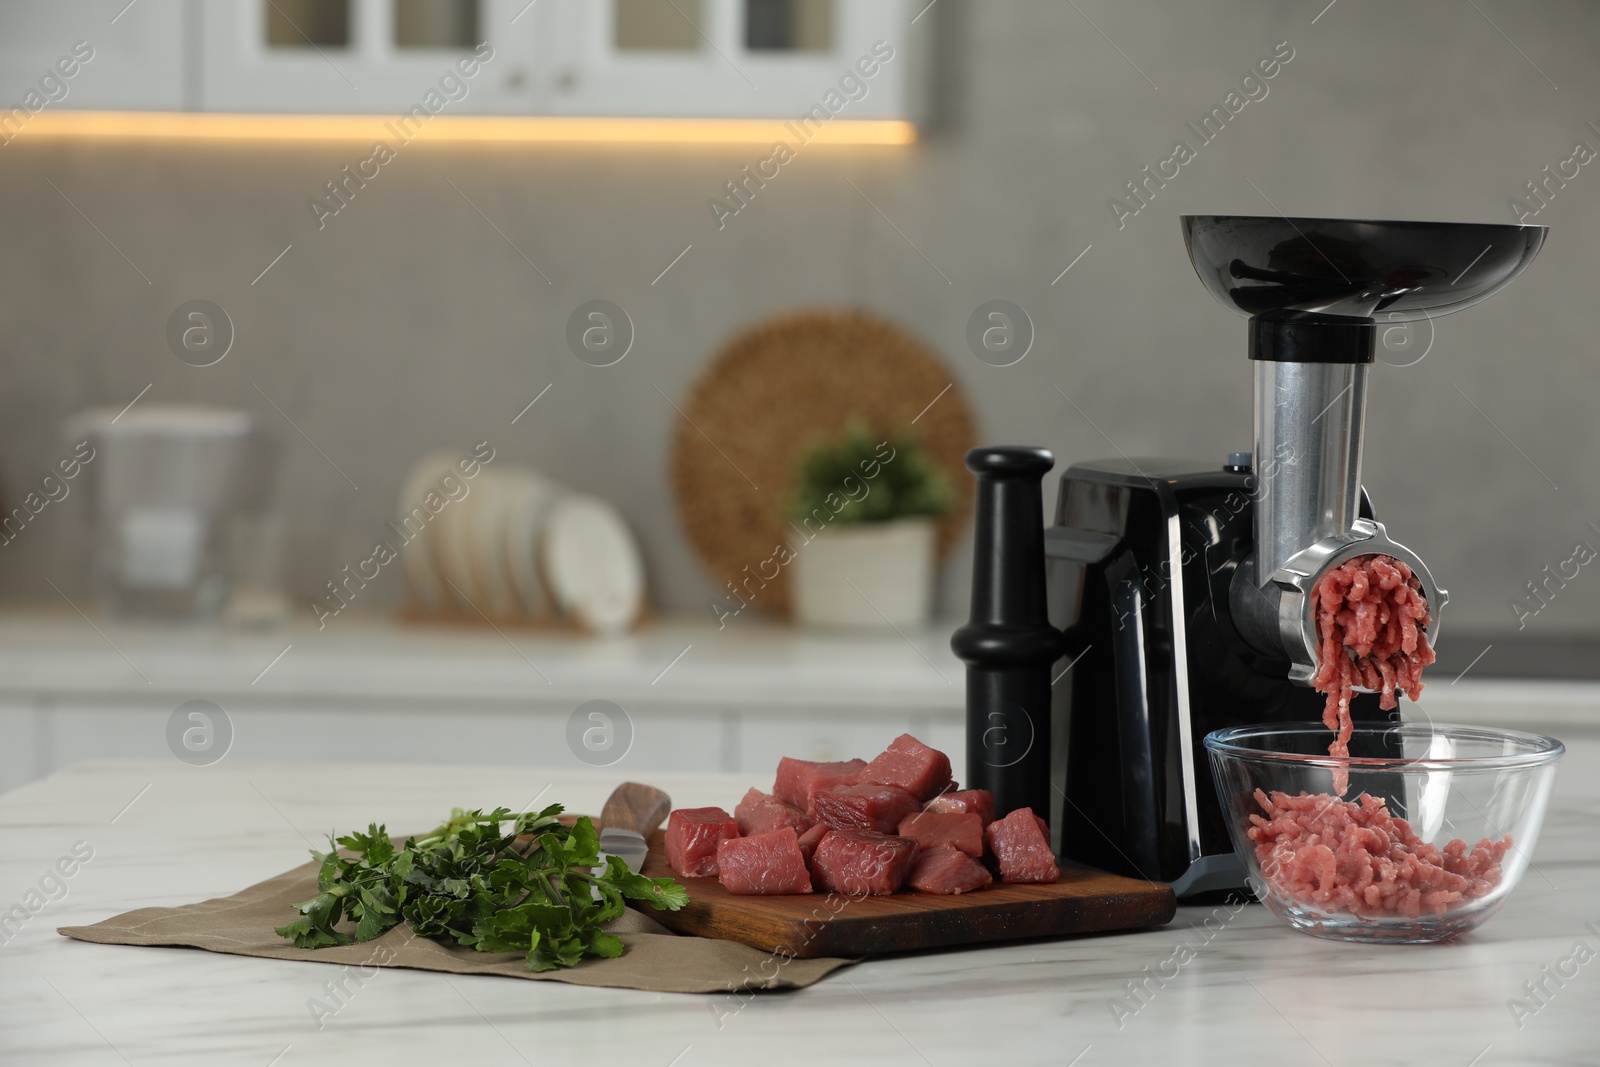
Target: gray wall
column 408, row 322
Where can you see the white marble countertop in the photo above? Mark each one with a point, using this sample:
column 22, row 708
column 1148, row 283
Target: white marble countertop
column 1255, row 992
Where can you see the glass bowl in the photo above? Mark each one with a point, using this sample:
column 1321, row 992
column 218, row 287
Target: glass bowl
column 1471, row 800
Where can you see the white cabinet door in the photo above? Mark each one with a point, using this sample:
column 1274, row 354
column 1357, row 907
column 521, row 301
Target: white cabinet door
column 506, row 736
column 137, row 727
column 19, row 743
column 134, row 728
column 709, row 68
column 821, row 733
column 91, row 54
column 363, row 63
column 767, row 735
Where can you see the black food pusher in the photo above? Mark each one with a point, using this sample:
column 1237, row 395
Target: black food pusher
column 1008, row 643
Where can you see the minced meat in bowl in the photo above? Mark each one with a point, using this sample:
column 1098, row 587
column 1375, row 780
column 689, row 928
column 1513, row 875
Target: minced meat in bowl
column 1427, row 842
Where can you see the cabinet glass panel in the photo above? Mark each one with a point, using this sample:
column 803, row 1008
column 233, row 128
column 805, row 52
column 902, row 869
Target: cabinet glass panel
column 656, row 25
column 788, row 25
column 449, row 24
column 308, row 23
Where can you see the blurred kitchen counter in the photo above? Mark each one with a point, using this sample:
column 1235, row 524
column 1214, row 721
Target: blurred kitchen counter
column 380, row 657
column 373, row 689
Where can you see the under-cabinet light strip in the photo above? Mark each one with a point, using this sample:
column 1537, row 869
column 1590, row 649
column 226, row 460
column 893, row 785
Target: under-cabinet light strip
column 185, row 125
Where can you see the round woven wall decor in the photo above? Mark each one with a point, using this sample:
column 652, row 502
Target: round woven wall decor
column 771, row 392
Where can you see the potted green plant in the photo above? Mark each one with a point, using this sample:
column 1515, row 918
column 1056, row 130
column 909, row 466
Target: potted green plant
column 864, row 507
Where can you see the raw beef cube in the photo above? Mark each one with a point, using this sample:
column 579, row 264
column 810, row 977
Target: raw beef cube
column 1021, row 844
column 763, row 864
column 944, row 869
column 980, row 801
column 861, row 862
column 809, row 839
column 932, row 829
column 865, row 807
column 910, row 765
column 692, row 838
column 798, row 779
column 761, row 813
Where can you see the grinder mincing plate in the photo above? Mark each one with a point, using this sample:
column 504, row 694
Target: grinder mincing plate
column 1184, row 589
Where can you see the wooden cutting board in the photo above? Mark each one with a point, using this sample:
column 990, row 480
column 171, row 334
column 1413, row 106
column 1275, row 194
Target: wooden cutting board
column 832, row 924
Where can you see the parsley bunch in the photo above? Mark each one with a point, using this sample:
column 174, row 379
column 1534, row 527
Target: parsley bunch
column 469, row 882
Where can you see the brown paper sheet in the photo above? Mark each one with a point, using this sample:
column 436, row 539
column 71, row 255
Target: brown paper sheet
column 655, row 958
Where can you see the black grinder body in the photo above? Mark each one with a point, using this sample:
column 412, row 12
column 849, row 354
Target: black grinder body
column 1138, row 567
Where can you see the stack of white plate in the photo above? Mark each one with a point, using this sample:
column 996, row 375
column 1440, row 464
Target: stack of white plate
column 517, row 545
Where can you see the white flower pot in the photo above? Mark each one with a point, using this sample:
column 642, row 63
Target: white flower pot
column 870, row 575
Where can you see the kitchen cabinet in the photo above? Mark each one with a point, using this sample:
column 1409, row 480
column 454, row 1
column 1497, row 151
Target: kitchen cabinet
column 19, row 760
column 93, row 54
column 366, row 690
column 788, row 59
column 358, row 57
column 531, row 734
column 814, row 733
column 859, row 59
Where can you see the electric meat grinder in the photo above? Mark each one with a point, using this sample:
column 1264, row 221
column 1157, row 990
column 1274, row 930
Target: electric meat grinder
column 1178, row 593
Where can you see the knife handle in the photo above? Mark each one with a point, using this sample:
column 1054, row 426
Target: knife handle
column 636, row 807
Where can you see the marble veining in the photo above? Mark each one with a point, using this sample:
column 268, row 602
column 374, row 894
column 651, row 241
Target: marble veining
column 1254, row 991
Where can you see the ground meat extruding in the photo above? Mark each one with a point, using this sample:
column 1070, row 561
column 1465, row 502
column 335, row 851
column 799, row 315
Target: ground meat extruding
column 1354, row 856
column 1371, row 631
